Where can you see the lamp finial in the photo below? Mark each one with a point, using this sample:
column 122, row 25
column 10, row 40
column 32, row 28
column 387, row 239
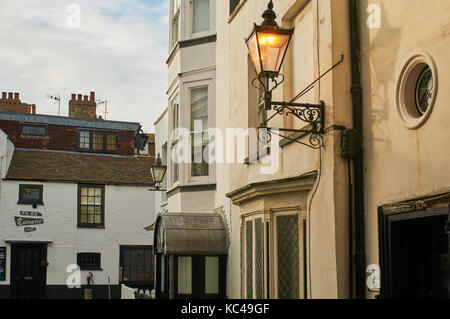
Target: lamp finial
column 158, row 160
column 269, row 16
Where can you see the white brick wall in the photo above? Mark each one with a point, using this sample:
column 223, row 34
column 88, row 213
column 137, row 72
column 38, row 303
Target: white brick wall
column 128, row 209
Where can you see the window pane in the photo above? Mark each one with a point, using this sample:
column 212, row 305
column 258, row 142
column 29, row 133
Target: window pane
column 88, row 260
column 35, row 130
column 288, row 257
column 111, row 142
column 163, row 272
column 98, row 141
column 200, row 16
column 184, row 275
column 249, row 255
column 84, row 142
column 199, row 125
column 176, row 112
column 91, row 204
column 211, row 275
column 32, row 194
column 199, row 109
column 259, row 258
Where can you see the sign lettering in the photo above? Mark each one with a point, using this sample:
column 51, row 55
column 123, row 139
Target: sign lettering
column 23, row 221
column 36, row 214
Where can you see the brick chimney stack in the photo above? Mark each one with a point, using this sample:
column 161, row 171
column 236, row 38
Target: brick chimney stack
column 10, row 102
column 82, row 106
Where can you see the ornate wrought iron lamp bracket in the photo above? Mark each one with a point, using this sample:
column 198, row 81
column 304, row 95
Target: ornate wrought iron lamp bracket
column 313, row 115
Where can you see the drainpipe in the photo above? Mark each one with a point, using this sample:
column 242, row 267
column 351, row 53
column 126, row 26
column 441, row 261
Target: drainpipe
column 356, row 92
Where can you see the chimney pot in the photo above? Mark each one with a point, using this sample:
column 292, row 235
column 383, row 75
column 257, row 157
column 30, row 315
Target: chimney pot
column 16, row 96
column 92, row 96
column 33, row 107
column 74, row 97
column 4, row 95
column 10, row 95
column 86, row 98
column 80, row 97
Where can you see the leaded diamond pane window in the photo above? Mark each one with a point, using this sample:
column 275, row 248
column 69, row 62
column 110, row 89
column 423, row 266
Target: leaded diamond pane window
column 249, row 264
column 288, row 257
column 259, row 258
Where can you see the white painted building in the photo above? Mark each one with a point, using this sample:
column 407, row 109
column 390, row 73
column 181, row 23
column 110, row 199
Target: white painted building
column 61, row 207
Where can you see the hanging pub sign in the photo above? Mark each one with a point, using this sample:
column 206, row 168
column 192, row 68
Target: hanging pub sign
column 2, row 263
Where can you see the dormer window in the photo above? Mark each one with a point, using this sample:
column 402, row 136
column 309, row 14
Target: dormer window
column 97, row 141
column 34, row 130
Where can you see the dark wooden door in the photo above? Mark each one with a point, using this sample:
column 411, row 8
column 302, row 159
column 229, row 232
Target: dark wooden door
column 28, row 271
column 448, row 255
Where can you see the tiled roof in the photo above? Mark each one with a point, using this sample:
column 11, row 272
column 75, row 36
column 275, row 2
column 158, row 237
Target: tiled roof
column 75, row 167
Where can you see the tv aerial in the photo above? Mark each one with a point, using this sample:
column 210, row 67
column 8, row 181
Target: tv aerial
column 100, row 102
column 57, row 98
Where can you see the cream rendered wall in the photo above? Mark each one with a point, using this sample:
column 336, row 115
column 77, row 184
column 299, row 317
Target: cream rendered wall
column 402, row 164
column 329, row 208
column 127, row 211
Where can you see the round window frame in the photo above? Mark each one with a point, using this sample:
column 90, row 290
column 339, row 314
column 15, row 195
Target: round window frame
column 406, row 89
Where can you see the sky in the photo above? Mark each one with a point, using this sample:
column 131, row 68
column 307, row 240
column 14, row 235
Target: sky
column 116, row 48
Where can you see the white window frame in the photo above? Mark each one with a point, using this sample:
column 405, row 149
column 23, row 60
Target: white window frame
column 191, row 20
column 187, row 87
column 175, row 15
column 252, row 218
column 174, row 140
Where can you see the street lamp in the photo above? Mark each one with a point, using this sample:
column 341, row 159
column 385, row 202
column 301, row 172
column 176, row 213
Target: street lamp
column 158, row 171
column 267, row 46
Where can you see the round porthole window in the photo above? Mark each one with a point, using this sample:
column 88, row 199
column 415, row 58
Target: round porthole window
column 416, row 90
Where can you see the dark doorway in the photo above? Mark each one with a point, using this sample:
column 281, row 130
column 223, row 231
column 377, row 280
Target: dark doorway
column 414, row 253
column 28, row 270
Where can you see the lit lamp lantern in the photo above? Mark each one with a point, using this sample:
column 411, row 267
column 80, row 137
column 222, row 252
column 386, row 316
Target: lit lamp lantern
column 268, row 45
column 158, row 171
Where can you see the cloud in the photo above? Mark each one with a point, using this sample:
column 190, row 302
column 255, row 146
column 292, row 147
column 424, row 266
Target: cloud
column 119, row 52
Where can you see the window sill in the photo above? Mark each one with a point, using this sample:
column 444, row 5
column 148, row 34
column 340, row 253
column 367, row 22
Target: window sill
column 90, row 226
column 98, row 152
column 35, row 136
column 253, row 159
column 192, row 187
column 91, row 269
column 30, row 203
